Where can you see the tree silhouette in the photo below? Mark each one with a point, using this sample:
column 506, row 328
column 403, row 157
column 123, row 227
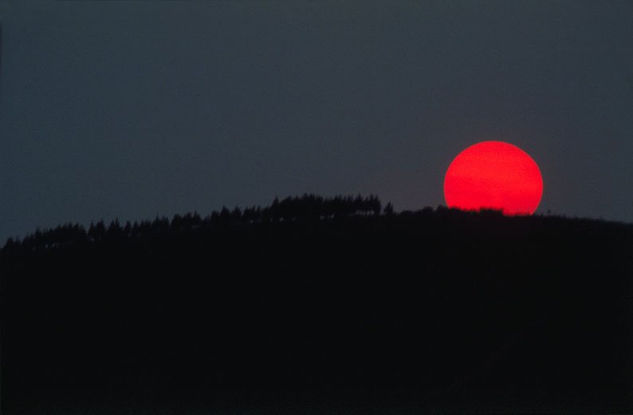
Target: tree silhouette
column 388, row 209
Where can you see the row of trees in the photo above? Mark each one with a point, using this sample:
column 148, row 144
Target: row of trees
column 290, row 209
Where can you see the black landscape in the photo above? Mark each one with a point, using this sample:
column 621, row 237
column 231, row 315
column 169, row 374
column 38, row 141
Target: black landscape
column 320, row 305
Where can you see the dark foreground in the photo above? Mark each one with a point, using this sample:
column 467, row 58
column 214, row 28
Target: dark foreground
column 434, row 311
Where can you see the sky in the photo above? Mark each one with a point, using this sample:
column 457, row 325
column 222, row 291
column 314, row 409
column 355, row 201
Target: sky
column 135, row 109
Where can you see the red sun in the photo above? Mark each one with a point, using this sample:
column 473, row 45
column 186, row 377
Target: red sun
column 494, row 175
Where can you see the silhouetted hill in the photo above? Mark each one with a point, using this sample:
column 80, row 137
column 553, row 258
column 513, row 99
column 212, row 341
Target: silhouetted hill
column 321, row 304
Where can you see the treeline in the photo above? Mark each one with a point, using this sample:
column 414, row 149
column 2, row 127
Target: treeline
column 304, row 208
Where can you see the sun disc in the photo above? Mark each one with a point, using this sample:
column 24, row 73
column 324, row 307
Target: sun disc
column 494, row 175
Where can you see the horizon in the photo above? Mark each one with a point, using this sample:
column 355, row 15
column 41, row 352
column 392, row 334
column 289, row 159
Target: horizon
column 386, row 209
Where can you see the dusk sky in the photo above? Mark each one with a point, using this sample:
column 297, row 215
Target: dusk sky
column 129, row 110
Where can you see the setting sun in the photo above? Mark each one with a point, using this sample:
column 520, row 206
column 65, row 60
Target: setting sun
column 494, row 175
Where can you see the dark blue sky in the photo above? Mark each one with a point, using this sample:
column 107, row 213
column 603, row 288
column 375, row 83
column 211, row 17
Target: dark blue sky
column 115, row 109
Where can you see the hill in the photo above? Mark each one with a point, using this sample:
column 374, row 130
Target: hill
column 320, row 304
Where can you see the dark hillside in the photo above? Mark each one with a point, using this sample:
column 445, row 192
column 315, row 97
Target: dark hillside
column 320, row 304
